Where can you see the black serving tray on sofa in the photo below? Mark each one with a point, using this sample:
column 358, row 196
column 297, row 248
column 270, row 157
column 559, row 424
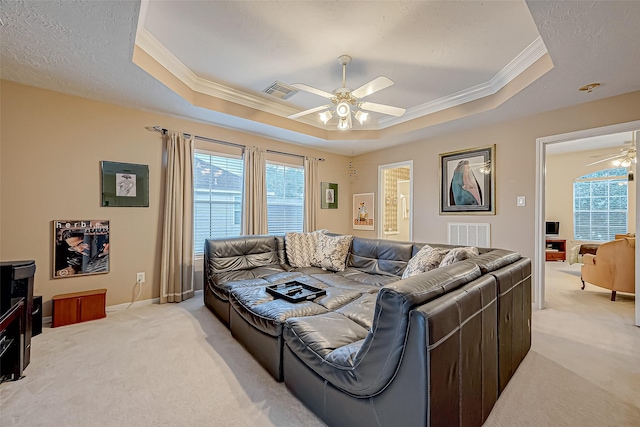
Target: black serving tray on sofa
column 295, row 291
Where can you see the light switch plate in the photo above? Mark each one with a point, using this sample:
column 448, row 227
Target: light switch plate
column 521, row 201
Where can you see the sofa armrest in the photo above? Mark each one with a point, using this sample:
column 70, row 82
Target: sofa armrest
column 589, row 259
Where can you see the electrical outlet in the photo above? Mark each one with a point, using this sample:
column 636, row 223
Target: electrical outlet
column 140, row 277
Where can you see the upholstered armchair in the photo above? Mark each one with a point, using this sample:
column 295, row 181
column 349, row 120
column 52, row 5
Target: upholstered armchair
column 612, row 267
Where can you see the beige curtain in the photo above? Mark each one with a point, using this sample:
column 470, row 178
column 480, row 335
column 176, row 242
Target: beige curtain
column 176, row 277
column 254, row 218
column 311, row 193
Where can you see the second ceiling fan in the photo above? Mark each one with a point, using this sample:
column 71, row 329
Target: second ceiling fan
column 346, row 102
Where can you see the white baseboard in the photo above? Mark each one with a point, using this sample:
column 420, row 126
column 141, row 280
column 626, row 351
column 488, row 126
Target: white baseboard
column 46, row 321
column 127, row 305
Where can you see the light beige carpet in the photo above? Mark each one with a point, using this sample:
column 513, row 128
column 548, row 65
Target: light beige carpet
column 176, row 365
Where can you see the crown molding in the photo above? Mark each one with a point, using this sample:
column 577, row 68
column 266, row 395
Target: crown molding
column 147, row 42
column 513, row 69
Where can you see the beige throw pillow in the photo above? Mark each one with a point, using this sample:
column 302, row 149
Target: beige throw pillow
column 301, row 247
column 331, row 252
column 426, row 259
column 459, row 254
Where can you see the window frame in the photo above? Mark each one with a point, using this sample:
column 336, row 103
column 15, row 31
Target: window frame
column 609, row 179
column 304, row 193
column 199, row 253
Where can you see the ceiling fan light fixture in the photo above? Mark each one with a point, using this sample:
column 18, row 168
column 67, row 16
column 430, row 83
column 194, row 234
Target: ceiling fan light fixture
column 344, row 123
column 616, row 162
column 343, row 109
column 325, row 116
column 625, row 163
column 361, row 116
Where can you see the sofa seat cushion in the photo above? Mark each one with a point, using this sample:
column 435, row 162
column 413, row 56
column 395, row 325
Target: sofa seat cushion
column 361, row 310
column 368, row 278
column 338, row 297
column 250, row 278
column 219, row 279
column 267, row 314
column 314, row 338
column 339, row 281
column 311, row 270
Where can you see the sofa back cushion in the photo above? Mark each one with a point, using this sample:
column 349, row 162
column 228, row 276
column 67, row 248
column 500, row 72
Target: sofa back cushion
column 378, row 256
column 495, row 259
column 240, row 253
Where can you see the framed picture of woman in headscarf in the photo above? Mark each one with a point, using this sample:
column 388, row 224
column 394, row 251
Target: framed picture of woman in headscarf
column 467, row 181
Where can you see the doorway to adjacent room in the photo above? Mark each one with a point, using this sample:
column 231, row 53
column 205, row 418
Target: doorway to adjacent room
column 395, row 204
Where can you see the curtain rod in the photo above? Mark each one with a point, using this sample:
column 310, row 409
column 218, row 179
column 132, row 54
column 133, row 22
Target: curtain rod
column 232, row 144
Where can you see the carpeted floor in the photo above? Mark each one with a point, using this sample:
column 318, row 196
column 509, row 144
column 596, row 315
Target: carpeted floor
column 176, row 365
column 584, row 365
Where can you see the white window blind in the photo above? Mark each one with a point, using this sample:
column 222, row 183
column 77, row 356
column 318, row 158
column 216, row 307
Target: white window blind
column 217, row 197
column 285, row 197
column 600, row 205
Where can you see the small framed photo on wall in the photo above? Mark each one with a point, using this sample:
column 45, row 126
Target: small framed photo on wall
column 363, row 212
column 125, row 184
column 328, row 195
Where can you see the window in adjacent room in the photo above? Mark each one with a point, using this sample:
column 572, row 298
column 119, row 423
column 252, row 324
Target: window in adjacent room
column 285, row 197
column 217, row 183
column 600, row 205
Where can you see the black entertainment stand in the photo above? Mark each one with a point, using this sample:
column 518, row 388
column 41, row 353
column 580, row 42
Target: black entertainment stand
column 16, row 284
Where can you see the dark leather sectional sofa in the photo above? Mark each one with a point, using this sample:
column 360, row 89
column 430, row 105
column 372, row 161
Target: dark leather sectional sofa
column 435, row 349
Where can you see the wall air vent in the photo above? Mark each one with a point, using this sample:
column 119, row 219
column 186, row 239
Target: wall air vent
column 280, row 90
column 465, row 234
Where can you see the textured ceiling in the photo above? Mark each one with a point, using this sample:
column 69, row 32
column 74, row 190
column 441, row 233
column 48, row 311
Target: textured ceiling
column 429, row 49
column 85, row 48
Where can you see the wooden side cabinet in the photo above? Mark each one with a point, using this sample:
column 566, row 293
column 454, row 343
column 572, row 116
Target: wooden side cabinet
column 78, row 307
column 556, row 250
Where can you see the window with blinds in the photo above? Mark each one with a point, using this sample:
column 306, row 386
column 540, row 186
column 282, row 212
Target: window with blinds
column 285, row 197
column 217, row 197
column 600, row 205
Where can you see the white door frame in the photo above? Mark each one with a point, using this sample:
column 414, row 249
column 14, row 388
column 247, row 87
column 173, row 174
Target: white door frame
column 538, row 262
column 380, row 221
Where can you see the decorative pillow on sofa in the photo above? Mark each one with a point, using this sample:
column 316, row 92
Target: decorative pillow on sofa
column 301, row 247
column 331, row 252
column 426, row 259
column 459, row 254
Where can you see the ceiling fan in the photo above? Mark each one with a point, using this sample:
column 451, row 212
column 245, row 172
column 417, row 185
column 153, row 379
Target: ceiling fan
column 346, row 102
column 626, row 157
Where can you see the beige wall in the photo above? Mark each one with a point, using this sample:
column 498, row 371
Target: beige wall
column 50, row 153
column 512, row 227
column 561, row 170
column 51, row 146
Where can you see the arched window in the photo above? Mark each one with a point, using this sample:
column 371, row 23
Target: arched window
column 600, row 205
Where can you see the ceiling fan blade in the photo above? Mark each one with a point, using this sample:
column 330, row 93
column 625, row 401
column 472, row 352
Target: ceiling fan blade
column 373, row 86
column 384, row 109
column 310, row 111
column 313, row 90
column 605, row 160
